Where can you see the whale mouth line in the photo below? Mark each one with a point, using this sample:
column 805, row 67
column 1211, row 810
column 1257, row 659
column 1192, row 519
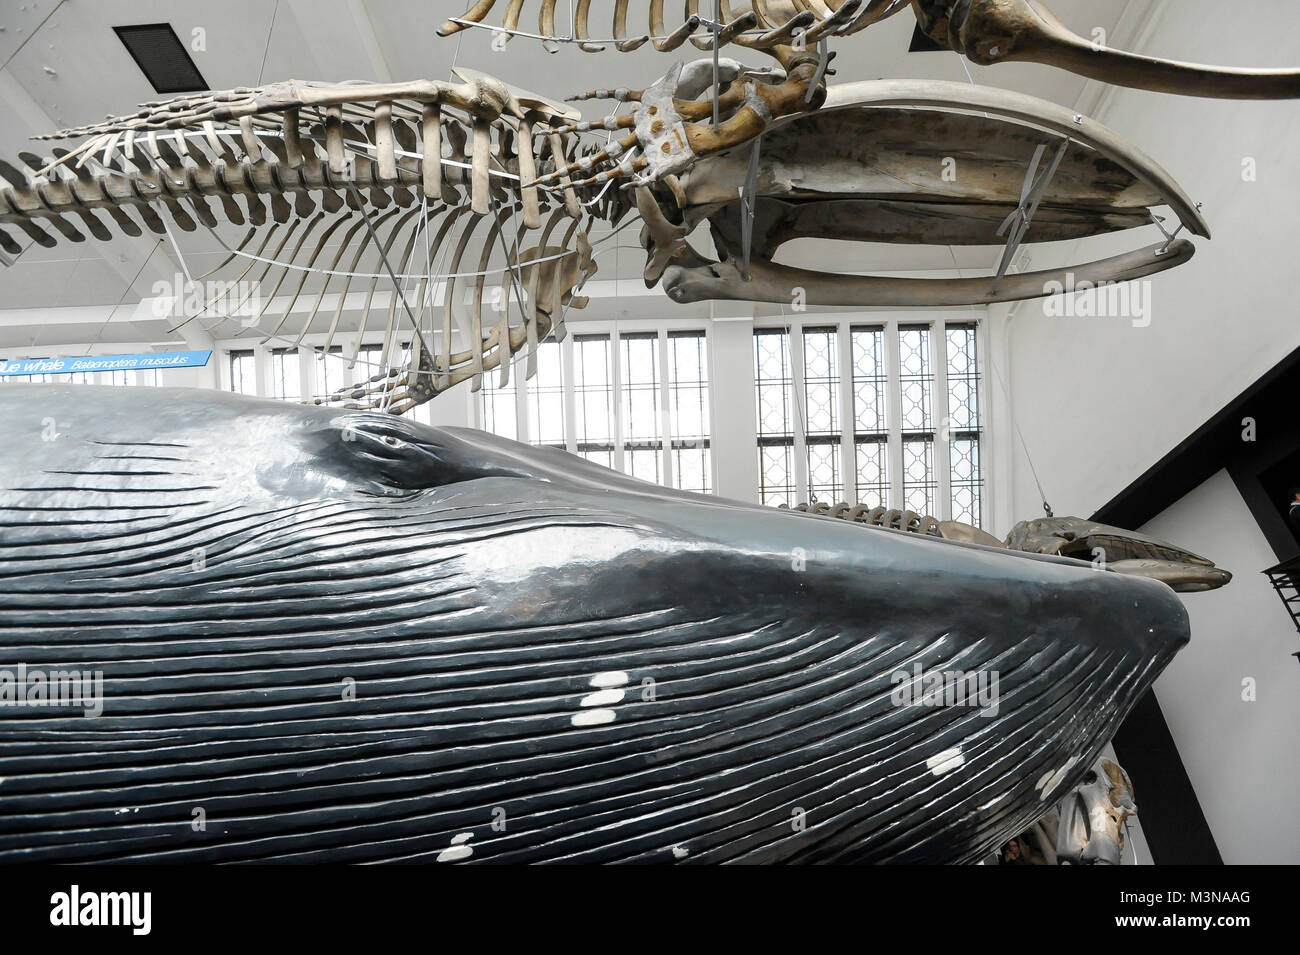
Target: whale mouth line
column 1117, row 547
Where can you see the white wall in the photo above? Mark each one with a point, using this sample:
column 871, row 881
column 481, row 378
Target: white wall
column 1243, row 758
column 1099, row 400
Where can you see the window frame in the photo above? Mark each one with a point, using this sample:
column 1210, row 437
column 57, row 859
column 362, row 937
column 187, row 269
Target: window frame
column 663, row 331
column 940, row 414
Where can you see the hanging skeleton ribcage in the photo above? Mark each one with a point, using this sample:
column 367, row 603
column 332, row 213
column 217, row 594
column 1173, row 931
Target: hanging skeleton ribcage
column 332, row 185
column 986, row 32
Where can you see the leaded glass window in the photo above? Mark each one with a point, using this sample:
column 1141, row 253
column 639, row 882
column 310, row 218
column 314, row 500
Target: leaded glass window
column 773, row 376
column 964, row 423
column 870, row 415
column 286, row 374
column 546, row 398
column 642, row 424
column 332, row 372
column 916, row 385
column 498, row 404
column 912, row 392
column 688, row 367
column 593, row 398
column 821, row 387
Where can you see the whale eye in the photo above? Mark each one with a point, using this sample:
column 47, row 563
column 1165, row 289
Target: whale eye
column 385, row 454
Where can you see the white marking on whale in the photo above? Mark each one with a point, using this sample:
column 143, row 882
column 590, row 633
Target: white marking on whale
column 593, row 717
column 603, row 697
column 1050, row 780
column 459, row 848
column 946, row 761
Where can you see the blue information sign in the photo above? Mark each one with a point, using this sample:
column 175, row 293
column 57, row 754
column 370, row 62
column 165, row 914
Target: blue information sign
column 158, row 361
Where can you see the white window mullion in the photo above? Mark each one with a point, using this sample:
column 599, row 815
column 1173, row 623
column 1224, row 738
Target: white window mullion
column 305, row 362
column 799, row 416
column 262, row 363
column 987, row 467
column 848, row 421
column 616, row 398
column 666, row 424
column 942, row 423
column 570, row 405
column 894, row 388
column 523, row 427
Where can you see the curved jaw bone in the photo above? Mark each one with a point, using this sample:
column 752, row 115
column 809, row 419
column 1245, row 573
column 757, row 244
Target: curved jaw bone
column 1120, row 550
column 994, row 31
column 687, row 281
column 867, row 188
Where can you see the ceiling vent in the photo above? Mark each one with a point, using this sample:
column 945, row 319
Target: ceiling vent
column 161, row 57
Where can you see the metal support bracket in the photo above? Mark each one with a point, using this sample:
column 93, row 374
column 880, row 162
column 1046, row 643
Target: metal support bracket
column 1169, row 236
column 823, row 61
column 1031, row 194
column 748, row 202
column 397, row 287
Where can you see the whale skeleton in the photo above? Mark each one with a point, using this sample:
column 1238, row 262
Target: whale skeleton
column 984, row 31
column 763, row 156
column 331, row 183
column 1102, row 545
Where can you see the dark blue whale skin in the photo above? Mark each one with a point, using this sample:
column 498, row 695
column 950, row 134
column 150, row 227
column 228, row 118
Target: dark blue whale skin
column 349, row 637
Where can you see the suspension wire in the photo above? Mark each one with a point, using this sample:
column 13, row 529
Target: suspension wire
column 374, row 237
column 267, row 49
column 1029, row 458
column 35, row 30
column 1006, row 394
column 126, row 291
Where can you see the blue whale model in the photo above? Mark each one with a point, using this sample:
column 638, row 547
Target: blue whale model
column 255, row 631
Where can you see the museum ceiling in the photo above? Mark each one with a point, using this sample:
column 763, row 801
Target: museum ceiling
column 75, row 71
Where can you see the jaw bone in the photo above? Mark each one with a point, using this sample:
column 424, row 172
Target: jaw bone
column 996, row 31
column 868, row 166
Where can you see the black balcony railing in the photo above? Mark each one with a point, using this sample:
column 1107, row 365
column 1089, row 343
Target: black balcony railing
column 1285, row 578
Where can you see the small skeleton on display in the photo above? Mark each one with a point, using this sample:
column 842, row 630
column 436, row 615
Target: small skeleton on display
column 1088, row 826
column 1102, row 545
